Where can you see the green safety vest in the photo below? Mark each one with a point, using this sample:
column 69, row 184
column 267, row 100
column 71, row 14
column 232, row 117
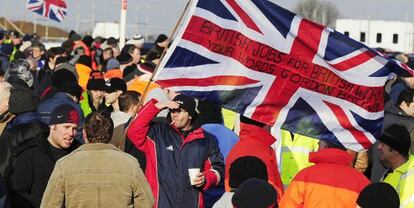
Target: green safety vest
column 295, row 154
column 402, row 179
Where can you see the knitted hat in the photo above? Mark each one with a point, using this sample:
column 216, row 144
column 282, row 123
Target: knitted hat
column 64, row 114
column 255, row 193
column 187, row 103
column 112, row 41
column 244, row 168
column 115, row 84
column 378, row 195
column 61, row 76
column 85, row 60
column 96, row 84
column 130, row 72
column 124, row 58
column 22, row 100
column 112, row 64
column 161, row 38
column 72, row 88
column 73, row 36
column 398, row 138
column 21, row 70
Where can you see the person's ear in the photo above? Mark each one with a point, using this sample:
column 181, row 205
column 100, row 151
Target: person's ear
column 84, row 136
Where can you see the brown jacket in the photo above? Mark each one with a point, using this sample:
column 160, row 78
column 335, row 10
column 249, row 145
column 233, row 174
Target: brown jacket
column 97, row 175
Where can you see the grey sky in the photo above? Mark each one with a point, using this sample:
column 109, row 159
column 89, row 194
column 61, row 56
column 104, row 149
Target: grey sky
column 159, row 16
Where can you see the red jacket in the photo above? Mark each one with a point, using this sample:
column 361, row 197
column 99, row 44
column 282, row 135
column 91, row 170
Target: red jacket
column 331, row 182
column 256, row 141
column 169, row 155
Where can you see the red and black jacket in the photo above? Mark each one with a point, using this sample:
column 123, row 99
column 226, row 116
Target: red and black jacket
column 169, row 155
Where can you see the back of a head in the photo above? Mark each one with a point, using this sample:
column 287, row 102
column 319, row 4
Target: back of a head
column 20, row 69
column 255, row 193
column 99, row 127
column 406, row 96
column 127, row 99
column 22, row 100
column 378, row 195
column 244, row 168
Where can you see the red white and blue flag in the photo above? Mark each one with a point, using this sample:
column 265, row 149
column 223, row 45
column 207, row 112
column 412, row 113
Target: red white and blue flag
column 273, row 66
column 52, row 9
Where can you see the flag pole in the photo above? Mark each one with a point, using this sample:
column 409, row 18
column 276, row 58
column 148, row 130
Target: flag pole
column 122, row 24
column 164, row 51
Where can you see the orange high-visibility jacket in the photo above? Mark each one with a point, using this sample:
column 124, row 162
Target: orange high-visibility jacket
column 330, row 183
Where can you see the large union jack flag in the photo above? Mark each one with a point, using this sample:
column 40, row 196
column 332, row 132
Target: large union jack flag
column 52, row 9
column 273, row 66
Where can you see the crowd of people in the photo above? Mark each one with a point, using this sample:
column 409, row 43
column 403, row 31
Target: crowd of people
column 82, row 125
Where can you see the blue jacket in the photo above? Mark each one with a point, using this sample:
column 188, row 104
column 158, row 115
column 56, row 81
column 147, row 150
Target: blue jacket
column 169, row 155
column 45, row 109
column 226, row 140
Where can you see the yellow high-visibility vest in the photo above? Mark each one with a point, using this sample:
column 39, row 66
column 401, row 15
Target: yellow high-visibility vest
column 402, row 179
column 295, row 154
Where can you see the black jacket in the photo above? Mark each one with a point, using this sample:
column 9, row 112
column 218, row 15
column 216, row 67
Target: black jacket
column 33, row 164
column 18, row 132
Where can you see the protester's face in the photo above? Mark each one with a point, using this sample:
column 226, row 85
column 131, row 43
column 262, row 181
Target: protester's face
column 62, row 135
column 16, row 41
column 181, row 118
column 107, row 55
column 386, row 153
column 136, row 55
column 97, row 95
column 112, row 97
column 37, row 53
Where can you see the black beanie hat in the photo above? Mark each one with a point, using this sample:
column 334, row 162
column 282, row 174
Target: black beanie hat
column 64, row 114
column 130, row 72
column 187, row 103
column 255, row 193
column 244, row 168
column 115, row 84
column 72, row 88
column 61, row 76
column 22, row 100
column 398, row 138
column 96, row 84
column 161, row 38
column 378, row 195
column 124, row 59
column 85, row 60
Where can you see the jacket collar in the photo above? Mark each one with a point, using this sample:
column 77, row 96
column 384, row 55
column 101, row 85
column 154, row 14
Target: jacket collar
column 193, row 135
column 331, row 155
column 249, row 131
column 96, row 146
column 24, row 118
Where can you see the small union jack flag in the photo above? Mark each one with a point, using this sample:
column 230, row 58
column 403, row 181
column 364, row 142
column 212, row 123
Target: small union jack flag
column 52, row 9
column 276, row 67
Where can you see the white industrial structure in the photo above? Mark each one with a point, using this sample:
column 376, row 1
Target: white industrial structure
column 391, row 35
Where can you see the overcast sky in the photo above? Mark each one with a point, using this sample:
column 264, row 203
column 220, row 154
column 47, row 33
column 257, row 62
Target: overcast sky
column 159, row 16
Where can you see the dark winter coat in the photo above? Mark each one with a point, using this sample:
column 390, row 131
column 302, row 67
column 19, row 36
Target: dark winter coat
column 33, row 164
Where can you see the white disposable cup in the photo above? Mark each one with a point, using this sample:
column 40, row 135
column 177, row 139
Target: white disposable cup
column 192, row 174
